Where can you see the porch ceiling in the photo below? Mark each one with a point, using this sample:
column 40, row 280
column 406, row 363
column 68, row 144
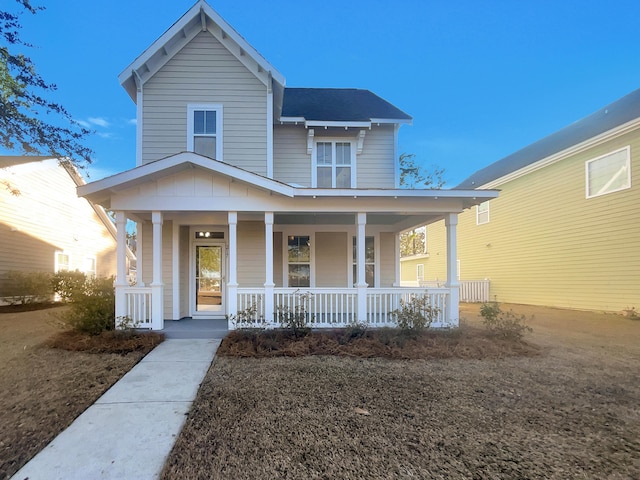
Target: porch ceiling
column 390, row 219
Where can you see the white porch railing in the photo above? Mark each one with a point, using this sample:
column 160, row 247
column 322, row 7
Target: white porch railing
column 138, row 306
column 248, row 297
column 327, row 307
column 471, row 291
column 382, row 301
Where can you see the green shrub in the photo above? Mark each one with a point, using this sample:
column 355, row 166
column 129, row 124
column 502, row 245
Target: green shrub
column 504, row 324
column 93, row 310
column 415, row 315
column 247, row 319
column 297, row 319
column 26, row 287
column 69, row 284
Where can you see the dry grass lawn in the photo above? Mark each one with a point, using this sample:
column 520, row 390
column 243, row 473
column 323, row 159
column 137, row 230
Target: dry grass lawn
column 42, row 390
column 571, row 412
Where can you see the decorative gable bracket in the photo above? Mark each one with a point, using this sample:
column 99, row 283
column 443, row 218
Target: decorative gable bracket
column 310, row 135
column 360, row 140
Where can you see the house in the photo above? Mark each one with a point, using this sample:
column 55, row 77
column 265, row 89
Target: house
column 565, row 230
column 250, row 193
column 45, row 227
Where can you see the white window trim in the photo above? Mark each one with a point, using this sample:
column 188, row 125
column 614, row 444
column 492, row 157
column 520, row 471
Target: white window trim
column 285, row 256
column 478, row 212
column 628, row 165
column 192, row 107
column 314, row 160
column 57, row 264
column 95, row 265
column 420, row 275
column 376, row 260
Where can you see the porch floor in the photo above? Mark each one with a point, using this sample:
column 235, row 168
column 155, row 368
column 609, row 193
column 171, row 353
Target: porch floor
column 195, row 328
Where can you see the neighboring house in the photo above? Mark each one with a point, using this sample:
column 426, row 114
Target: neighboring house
column 45, row 227
column 565, row 231
column 248, row 192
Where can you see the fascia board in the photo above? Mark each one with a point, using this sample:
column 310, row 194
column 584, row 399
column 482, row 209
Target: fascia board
column 403, row 121
column 330, row 123
column 397, row 193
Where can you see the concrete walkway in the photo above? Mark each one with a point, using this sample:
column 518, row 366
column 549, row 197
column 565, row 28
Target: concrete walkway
column 130, row 430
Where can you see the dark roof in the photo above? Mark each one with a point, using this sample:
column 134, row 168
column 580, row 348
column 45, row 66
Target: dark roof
column 338, row 104
column 613, row 115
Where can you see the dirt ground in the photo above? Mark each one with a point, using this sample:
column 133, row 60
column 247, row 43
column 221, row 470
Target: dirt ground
column 572, row 412
column 42, row 390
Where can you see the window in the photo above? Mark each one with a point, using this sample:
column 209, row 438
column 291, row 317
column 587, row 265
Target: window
column 482, row 213
column 334, row 165
column 609, row 173
column 90, row 267
column 299, row 259
column 204, row 130
column 369, row 261
column 420, row 272
column 62, row 262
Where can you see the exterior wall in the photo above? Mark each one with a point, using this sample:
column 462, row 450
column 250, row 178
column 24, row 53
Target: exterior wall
column 387, row 260
column 185, row 254
column 46, row 217
column 375, row 166
column 205, row 72
column 251, row 254
column 546, row 244
column 167, row 266
column 331, row 259
column 277, row 258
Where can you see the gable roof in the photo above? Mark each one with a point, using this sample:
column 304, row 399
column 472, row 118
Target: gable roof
column 612, row 116
column 339, row 104
column 201, row 17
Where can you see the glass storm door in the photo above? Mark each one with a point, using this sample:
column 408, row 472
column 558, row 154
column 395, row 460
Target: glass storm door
column 209, row 277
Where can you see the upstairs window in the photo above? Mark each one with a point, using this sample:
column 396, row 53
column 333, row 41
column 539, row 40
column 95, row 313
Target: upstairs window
column 204, row 130
column 334, row 164
column 609, row 173
column 482, row 213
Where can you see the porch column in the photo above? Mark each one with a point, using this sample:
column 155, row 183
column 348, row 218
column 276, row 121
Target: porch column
column 268, row 283
column 157, row 287
column 453, row 283
column 361, row 284
column 121, row 265
column 232, row 284
column 396, row 256
column 139, row 253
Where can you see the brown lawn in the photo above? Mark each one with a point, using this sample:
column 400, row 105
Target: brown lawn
column 42, row 390
column 571, row 412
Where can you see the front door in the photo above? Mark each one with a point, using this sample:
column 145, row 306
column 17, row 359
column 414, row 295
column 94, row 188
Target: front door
column 208, row 294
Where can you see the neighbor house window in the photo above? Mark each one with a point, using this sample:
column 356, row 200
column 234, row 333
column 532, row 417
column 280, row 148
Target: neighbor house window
column 62, row 262
column 204, row 130
column 420, row 272
column 609, row 173
column 334, row 165
column 369, row 261
column 482, row 213
column 90, row 267
column 299, row 259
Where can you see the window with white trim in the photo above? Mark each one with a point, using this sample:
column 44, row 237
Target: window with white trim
column 482, row 213
column 369, row 261
column 63, row 262
column 204, row 130
column 609, row 173
column 420, row 272
column 334, row 164
column 90, row 267
column 299, row 260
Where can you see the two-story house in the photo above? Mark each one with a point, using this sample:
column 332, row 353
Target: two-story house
column 248, row 192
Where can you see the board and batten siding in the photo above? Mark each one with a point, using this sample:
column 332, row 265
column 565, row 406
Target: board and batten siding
column 547, row 244
column 204, row 71
column 48, row 217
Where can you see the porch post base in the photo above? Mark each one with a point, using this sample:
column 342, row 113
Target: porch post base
column 121, row 303
column 232, row 303
column 453, row 305
column 157, row 306
column 362, row 303
column 269, row 304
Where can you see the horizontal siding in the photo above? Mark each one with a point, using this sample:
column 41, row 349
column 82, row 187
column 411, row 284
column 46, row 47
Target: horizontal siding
column 291, row 163
column 331, row 259
column 546, row 244
column 251, row 254
column 185, row 249
column 205, row 72
column 376, row 163
column 167, row 267
column 387, row 259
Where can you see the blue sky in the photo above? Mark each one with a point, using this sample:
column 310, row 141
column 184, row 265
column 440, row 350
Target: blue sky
column 481, row 79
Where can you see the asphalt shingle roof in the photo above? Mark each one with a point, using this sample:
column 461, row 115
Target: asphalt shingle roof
column 338, row 104
column 613, row 115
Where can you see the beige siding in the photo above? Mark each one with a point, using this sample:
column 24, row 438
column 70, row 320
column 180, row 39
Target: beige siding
column 291, row 163
column 277, row 258
column 251, row 254
column 205, row 72
column 331, row 259
column 387, row 259
column 185, row 255
column 46, row 217
column 147, row 252
column 546, row 244
column 376, row 163
column 167, row 267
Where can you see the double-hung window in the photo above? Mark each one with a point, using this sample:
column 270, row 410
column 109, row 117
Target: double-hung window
column 334, row 164
column 609, row 173
column 369, row 261
column 63, row 262
column 204, row 130
column 299, row 260
column 482, row 213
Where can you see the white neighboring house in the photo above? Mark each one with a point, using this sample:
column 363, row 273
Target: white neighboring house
column 249, row 192
column 45, row 226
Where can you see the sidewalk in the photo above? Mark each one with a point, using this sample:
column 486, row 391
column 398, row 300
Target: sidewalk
column 130, row 430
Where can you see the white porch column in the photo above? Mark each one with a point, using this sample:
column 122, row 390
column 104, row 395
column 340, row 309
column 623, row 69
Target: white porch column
column 453, row 283
column 269, row 306
column 139, row 253
column 157, row 287
column 232, row 284
column 121, row 265
column 361, row 283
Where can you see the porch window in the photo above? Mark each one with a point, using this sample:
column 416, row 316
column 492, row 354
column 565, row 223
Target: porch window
column 609, row 173
column 63, row 262
column 369, row 261
column 482, row 213
column 334, row 164
column 204, row 130
column 299, row 259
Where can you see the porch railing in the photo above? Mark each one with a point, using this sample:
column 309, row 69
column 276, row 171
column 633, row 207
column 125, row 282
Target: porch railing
column 139, row 306
column 327, row 307
column 382, row 301
column 471, row 291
